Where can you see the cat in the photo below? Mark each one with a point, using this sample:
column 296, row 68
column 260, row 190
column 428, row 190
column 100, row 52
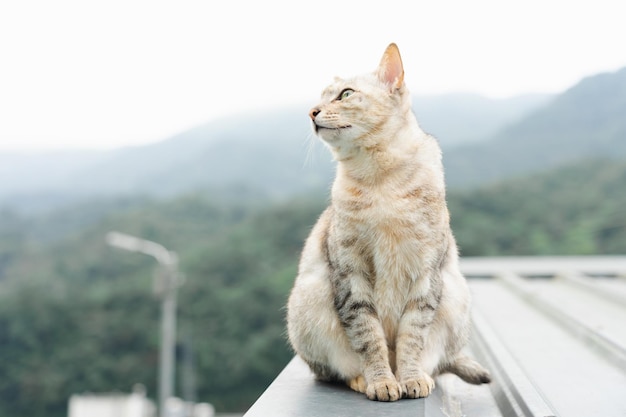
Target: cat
column 379, row 301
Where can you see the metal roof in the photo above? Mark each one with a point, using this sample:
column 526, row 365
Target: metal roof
column 552, row 330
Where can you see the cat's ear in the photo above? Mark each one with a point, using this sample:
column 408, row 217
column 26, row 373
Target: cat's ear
column 390, row 70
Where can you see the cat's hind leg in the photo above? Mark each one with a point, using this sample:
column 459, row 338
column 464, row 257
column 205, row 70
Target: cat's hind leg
column 358, row 384
column 315, row 332
column 323, row 372
column 326, row 374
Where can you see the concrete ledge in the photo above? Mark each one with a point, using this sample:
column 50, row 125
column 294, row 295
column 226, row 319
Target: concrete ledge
column 295, row 393
column 550, row 329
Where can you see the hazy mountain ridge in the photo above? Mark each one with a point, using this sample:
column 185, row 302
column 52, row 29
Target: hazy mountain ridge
column 35, row 171
column 462, row 119
column 273, row 153
column 588, row 120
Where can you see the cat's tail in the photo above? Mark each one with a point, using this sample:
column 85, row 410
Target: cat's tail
column 468, row 370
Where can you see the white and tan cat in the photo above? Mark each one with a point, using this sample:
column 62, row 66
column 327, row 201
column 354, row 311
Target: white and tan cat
column 379, row 301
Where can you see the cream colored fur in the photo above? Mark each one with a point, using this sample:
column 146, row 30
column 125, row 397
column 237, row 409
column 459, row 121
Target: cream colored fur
column 379, row 301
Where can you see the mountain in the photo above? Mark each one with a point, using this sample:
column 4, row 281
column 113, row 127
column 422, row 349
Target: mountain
column 36, row 171
column 262, row 154
column 271, row 153
column 588, row 120
column 460, row 119
column 261, row 151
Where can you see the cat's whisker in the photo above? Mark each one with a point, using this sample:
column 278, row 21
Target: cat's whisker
column 310, row 143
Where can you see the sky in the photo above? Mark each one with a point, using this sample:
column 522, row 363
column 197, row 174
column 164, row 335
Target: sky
column 106, row 74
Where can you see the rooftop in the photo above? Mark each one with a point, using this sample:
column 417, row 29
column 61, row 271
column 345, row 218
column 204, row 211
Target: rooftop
column 552, row 330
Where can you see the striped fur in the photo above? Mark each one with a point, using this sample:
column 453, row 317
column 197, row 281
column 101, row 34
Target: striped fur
column 379, row 301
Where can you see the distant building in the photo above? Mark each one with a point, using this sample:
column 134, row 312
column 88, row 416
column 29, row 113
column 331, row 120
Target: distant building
column 132, row 405
column 112, row 405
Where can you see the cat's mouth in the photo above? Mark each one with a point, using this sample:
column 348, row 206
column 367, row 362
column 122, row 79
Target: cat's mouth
column 319, row 127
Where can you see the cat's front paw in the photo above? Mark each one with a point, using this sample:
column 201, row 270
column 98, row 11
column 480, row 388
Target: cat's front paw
column 419, row 387
column 386, row 389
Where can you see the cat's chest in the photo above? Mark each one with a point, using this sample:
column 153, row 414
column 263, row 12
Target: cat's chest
column 390, row 224
column 401, row 234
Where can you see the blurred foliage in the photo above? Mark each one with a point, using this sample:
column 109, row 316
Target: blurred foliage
column 77, row 315
column 574, row 210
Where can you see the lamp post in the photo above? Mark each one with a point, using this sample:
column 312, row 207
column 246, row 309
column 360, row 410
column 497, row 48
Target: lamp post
column 168, row 281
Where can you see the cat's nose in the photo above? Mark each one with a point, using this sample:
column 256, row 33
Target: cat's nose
column 314, row 112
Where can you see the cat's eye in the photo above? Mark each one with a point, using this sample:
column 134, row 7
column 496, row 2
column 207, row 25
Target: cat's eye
column 346, row 93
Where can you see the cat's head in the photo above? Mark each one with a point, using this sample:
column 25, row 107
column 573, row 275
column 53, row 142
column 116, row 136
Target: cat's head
column 355, row 112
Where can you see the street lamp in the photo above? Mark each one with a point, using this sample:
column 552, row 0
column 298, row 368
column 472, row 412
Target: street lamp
column 169, row 281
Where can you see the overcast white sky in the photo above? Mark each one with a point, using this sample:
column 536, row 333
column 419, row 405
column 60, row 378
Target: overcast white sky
column 104, row 74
